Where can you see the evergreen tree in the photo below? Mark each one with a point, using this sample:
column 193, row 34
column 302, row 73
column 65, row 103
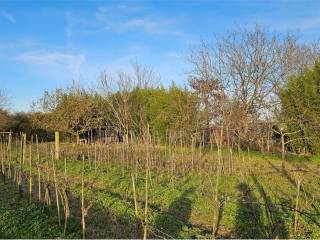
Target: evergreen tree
column 300, row 100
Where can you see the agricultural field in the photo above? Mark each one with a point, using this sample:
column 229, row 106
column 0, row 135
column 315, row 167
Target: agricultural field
column 179, row 119
column 121, row 191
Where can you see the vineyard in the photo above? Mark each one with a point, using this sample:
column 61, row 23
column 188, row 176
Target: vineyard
column 178, row 119
column 144, row 189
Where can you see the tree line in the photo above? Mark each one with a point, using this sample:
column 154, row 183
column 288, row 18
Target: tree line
column 250, row 88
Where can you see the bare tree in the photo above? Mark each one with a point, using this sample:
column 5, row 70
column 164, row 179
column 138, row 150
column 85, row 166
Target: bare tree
column 117, row 92
column 243, row 71
column 4, row 115
column 3, row 99
column 144, row 76
column 295, row 57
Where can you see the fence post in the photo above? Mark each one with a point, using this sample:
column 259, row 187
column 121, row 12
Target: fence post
column 56, row 145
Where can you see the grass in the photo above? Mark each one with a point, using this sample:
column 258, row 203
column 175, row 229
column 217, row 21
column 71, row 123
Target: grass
column 19, row 219
column 257, row 201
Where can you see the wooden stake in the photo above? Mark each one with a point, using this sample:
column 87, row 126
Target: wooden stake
column 30, row 171
column 297, row 206
column 82, row 202
column 39, row 172
column 56, row 145
column 145, row 228
column 56, row 190
column 134, row 195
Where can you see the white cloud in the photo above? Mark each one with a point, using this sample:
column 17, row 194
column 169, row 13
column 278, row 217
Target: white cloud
column 149, row 25
column 175, row 55
column 123, row 18
column 302, row 24
column 8, row 16
column 18, row 44
column 127, row 8
column 53, row 62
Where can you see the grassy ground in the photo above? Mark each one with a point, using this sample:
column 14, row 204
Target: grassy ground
column 19, row 219
column 257, row 201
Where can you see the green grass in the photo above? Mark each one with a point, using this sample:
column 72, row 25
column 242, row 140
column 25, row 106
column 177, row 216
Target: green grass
column 257, row 199
column 19, row 219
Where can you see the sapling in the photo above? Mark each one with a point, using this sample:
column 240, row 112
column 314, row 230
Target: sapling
column 82, row 201
column 134, row 195
column 95, row 157
column 145, row 228
column 56, row 187
column 84, row 209
column 65, row 197
column 38, row 167
column 22, row 157
column 2, row 157
column 9, row 155
column 30, row 170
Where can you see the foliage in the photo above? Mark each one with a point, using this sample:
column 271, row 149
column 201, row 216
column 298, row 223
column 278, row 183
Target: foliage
column 76, row 110
column 18, row 219
column 173, row 110
column 4, row 119
column 301, row 108
column 73, row 110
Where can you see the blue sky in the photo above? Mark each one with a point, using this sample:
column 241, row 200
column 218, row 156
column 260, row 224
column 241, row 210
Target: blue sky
column 47, row 44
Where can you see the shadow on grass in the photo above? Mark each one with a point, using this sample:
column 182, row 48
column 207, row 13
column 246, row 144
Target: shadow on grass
column 101, row 222
column 177, row 216
column 276, row 224
column 283, row 172
column 249, row 222
column 221, row 208
column 20, row 218
column 290, row 157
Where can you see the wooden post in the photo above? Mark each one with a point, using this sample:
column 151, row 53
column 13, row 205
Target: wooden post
column 296, row 215
column 9, row 153
column 56, row 187
column 192, row 152
column 78, row 139
column 134, row 196
column 83, row 223
column 2, row 159
column 30, row 171
column 56, row 145
column 23, row 150
column 24, row 146
column 38, row 167
column 282, row 149
column 145, row 227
